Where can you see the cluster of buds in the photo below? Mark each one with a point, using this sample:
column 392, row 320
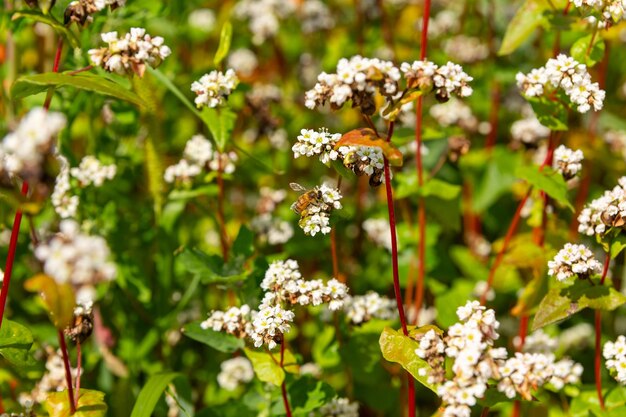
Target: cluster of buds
column 130, row 53
column 363, row 308
column 356, row 79
column 315, row 206
column 445, row 80
column 604, row 212
column 567, row 161
column 235, row 321
column 568, row 74
column 573, row 260
column 609, row 11
column 80, row 11
column 213, row 89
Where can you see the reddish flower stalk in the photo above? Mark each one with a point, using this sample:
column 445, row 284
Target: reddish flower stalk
column 421, row 209
column 396, row 273
column 598, row 339
column 283, row 387
column 79, row 362
column 68, row 371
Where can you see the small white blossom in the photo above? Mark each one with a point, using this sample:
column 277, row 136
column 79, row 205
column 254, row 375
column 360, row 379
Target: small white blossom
column 91, row 171
column 573, row 260
column 234, row 372
column 213, row 88
column 615, row 355
column 604, row 212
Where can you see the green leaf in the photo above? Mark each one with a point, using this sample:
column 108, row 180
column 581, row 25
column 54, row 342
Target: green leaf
column 224, row 46
column 583, row 53
column 154, row 172
column 266, row 367
column 527, row 18
column 90, row 404
column 552, row 114
column 450, row 299
column 367, row 137
column 399, row 348
column 546, row 180
column 306, row 394
column 325, row 349
column 618, row 243
column 151, row 392
column 432, row 187
column 244, row 243
column 49, row 20
column 33, row 84
column 58, row 298
column 562, row 303
column 211, row 268
column 15, row 343
column 221, row 123
column 221, row 341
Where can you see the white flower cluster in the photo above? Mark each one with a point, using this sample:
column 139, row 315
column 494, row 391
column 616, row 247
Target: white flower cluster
column 573, row 260
column 234, row 372
column 446, row 79
column 570, row 75
column 338, row 407
column 91, row 171
column 130, row 53
column 366, row 160
column 356, row 79
column 199, row 154
column 23, row 151
column 567, row 161
column 610, row 11
column 273, row 230
column 604, row 212
column 615, row 355
column 525, row 370
column 53, row 379
column 528, row 130
column 284, row 284
column 466, row 49
column 363, row 308
column 235, row 321
column 64, row 203
column 443, row 23
column 537, row 342
column 311, row 143
column 270, row 324
column 314, row 208
column 80, row 11
column 470, row 342
column 243, row 61
column 76, row 258
column 265, row 16
column 315, row 16
column 454, row 112
column 379, row 231
column 213, row 89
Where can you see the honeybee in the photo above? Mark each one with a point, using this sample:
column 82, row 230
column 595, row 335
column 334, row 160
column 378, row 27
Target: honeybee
column 305, row 200
column 376, row 178
column 82, row 326
column 612, row 220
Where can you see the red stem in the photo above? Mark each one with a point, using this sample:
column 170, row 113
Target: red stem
column 68, row 371
column 8, row 269
column 396, row 273
column 283, row 387
column 79, row 361
column 598, row 344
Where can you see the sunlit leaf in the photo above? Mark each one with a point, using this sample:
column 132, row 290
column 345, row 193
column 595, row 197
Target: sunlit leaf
column 582, row 52
column 367, row 137
column 266, row 367
column 58, row 298
column 224, row 46
column 527, row 18
column 221, row 341
column 548, row 181
column 90, row 404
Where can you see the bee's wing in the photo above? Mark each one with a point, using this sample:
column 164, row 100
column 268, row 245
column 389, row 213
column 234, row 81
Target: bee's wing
column 296, row 187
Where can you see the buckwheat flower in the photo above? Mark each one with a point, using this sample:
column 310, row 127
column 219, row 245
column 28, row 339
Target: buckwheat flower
column 198, row 150
column 450, row 78
column 363, row 308
column 91, row 171
column 315, row 16
column 604, row 212
column 271, row 229
column 270, row 324
column 213, row 89
column 567, row 161
column 235, row 321
column 576, row 337
column 73, row 257
column 224, row 162
column 202, row 19
column 264, row 16
column 565, row 372
column 568, row 74
column 529, row 130
column 130, row 53
column 319, row 143
column 183, row 171
column 537, row 342
column 243, row 61
column 378, row 231
column 465, row 49
column 338, row 407
column 356, row 80
column 23, row 151
column 615, row 355
column 609, row 11
column 573, row 260
column 314, row 208
column 279, row 273
column 53, row 379
column 234, row 372
column 81, row 11
column 524, row 372
column 454, row 112
column 65, row 204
